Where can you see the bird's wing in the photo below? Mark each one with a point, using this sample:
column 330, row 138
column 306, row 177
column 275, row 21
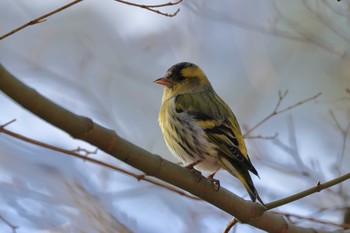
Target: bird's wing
column 219, row 123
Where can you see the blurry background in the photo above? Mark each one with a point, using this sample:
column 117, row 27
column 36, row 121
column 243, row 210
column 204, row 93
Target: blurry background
column 99, row 59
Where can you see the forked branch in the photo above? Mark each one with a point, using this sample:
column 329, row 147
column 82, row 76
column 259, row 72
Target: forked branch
column 277, row 109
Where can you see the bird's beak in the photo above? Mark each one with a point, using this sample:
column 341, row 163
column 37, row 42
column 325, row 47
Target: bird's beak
column 163, row 81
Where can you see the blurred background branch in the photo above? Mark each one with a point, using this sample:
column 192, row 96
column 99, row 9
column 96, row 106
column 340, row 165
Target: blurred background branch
column 92, row 160
column 8, row 223
column 277, row 110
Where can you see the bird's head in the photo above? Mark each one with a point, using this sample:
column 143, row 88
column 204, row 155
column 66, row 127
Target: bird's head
column 184, row 77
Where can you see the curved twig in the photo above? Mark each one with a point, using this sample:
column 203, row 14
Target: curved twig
column 44, row 17
column 276, row 110
column 95, row 161
column 39, row 19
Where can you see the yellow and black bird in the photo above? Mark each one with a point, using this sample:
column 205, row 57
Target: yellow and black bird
column 200, row 129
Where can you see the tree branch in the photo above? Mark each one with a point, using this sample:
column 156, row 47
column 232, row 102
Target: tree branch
column 311, row 219
column 92, row 160
column 317, row 188
column 44, row 17
column 13, row 227
column 107, row 140
column 150, row 7
column 229, row 225
column 39, row 19
column 276, row 110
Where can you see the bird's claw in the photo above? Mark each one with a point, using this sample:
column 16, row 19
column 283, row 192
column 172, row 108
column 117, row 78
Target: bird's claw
column 196, row 172
column 191, row 165
column 215, row 182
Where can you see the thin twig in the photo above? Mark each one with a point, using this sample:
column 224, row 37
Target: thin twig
column 300, row 30
column 8, row 123
column 297, row 33
column 342, row 12
column 150, row 7
column 276, row 111
column 44, row 17
column 337, row 124
column 219, row 16
column 293, row 149
column 230, row 224
column 321, row 210
column 343, row 225
column 344, row 132
column 321, row 18
column 262, row 137
column 92, row 160
column 13, row 227
column 85, row 151
column 317, row 188
column 39, row 19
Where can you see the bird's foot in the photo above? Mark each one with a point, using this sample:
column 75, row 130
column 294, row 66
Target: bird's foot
column 191, row 165
column 192, row 169
column 214, row 181
column 196, row 172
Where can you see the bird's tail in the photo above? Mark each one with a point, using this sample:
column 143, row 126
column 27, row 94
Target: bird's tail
column 243, row 175
column 249, row 186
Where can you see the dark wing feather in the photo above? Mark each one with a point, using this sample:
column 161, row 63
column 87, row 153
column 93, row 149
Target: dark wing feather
column 219, row 123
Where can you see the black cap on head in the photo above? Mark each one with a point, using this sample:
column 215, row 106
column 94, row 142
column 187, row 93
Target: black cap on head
column 174, row 72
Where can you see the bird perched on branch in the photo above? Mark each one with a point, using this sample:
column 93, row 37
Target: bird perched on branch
column 200, row 129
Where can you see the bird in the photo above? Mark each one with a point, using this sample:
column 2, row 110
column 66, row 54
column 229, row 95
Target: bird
column 200, row 129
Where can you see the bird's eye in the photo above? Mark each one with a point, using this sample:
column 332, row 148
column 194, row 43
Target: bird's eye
column 178, row 78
